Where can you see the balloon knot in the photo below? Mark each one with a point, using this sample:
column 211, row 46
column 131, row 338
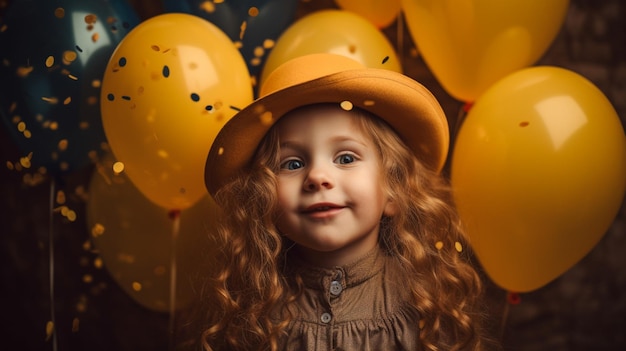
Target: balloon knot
column 514, row 298
column 173, row 214
column 468, row 106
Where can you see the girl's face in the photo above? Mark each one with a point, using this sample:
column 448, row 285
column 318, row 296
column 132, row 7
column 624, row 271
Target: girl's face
column 330, row 185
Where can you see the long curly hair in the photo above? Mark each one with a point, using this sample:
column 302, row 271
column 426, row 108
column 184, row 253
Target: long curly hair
column 248, row 294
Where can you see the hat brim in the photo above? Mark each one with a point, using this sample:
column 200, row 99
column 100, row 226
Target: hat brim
column 407, row 106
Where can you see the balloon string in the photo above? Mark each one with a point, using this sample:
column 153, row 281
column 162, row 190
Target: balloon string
column 512, row 298
column 52, row 329
column 175, row 217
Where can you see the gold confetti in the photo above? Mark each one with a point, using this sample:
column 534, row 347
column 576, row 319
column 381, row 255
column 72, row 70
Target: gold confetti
column 255, row 61
column 163, row 154
column 67, row 100
column 90, row 19
column 97, row 230
column 243, row 27
column 96, row 83
column 368, row 103
column 266, row 118
column 27, row 134
column 136, row 286
column 86, row 246
column 220, row 151
column 21, row 127
column 70, row 214
column 23, row 71
column 124, row 257
column 63, row 144
column 69, row 56
column 25, row 161
column 50, row 61
column 59, row 12
column 3, row 28
column 92, row 100
column 87, row 278
column 346, row 105
column 98, row 263
column 72, row 77
column 268, row 43
column 253, row 11
column 75, row 324
column 259, row 51
column 458, row 246
column 60, row 198
column 49, row 330
column 439, row 245
column 95, row 37
column 118, row 167
column 51, row 100
column 208, row 6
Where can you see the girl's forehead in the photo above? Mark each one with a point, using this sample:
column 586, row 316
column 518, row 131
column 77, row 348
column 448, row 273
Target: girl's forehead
column 318, row 115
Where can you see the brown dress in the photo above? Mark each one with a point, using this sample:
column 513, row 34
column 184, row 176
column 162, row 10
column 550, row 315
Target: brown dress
column 360, row 306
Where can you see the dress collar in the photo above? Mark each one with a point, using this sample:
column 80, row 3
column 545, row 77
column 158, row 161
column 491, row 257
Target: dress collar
column 349, row 275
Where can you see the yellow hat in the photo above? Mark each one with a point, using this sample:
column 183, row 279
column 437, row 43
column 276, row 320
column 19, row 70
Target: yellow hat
column 407, row 106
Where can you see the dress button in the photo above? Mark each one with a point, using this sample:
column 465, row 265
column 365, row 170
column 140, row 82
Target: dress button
column 326, row 317
column 335, row 288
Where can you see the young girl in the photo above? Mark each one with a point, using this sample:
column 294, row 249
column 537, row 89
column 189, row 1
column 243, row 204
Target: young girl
column 338, row 231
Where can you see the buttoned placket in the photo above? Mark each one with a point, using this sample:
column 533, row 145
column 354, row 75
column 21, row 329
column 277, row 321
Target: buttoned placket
column 334, row 290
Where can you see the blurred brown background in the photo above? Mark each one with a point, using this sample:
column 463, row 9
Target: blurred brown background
column 584, row 309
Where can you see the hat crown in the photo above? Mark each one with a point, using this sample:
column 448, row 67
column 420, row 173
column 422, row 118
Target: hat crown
column 305, row 69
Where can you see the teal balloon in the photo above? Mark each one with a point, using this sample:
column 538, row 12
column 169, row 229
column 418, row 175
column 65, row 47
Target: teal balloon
column 52, row 59
column 265, row 21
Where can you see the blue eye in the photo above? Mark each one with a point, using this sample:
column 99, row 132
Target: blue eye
column 292, row 165
column 345, row 158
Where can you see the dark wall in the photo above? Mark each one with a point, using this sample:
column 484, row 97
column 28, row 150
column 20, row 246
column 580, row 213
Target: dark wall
column 583, row 309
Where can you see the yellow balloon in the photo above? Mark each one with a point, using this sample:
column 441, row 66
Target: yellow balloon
column 168, row 88
column 134, row 238
column 539, row 174
column 380, row 13
column 469, row 45
column 334, row 31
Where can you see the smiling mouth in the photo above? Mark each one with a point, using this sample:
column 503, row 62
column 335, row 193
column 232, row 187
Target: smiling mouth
column 321, row 208
column 322, row 212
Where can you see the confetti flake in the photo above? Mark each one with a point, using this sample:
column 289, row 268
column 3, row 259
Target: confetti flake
column 458, row 246
column 346, row 105
column 243, row 27
column 59, row 12
column 253, row 11
column 91, row 19
column 49, row 330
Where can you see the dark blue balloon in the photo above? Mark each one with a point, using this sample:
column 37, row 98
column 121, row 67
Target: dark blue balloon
column 264, row 20
column 52, row 59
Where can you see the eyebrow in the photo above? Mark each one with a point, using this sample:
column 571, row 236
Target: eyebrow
column 335, row 139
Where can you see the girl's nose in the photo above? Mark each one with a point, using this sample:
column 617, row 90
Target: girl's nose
column 318, row 178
